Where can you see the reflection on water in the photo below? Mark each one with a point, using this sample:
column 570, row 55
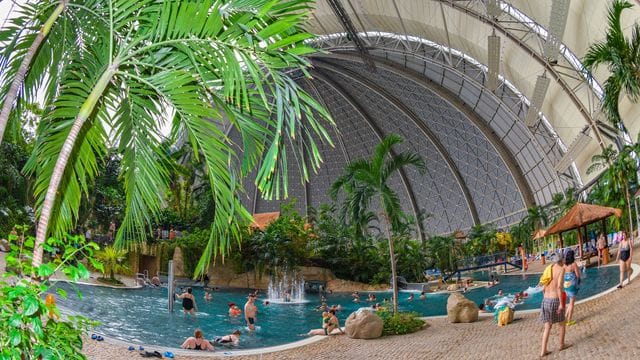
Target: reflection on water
column 140, row 316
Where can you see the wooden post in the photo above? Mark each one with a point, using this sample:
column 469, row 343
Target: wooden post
column 579, row 242
column 561, row 241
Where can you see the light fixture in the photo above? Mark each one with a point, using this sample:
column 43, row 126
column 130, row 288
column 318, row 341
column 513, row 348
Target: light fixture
column 576, row 147
column 493, row 49
column 539, row 92
column 557, row 24
column 493, row 9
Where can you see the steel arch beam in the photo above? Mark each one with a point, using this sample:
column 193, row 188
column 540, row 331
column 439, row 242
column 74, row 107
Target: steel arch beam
column 536, row 55
column 451, row 98
column 417, row 122
column 319, row 74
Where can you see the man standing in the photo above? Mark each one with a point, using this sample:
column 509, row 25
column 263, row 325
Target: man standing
column 250, row 311
column 552, row 308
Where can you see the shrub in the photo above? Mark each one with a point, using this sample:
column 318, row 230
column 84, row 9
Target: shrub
column 31, row 326
column 400, row 323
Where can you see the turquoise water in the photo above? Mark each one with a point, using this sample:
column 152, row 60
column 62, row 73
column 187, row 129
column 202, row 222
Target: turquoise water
column 140, row 316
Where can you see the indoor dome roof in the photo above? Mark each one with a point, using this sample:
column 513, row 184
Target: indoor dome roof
column 428, row 83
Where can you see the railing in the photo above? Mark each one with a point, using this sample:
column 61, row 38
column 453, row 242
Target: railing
column 482, row 261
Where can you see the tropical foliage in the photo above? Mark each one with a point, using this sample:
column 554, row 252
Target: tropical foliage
column 15, row 199
column 365, row 181
column 400, row 323
column 622, row 57
column 32, row 326
column 113, row 261
column 208, row 64
column 614, row 188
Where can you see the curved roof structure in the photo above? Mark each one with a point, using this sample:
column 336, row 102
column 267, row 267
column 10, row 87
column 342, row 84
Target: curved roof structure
column 490, row 93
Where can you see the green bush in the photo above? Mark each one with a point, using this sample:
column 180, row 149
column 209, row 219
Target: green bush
column 32, row 327
column 401, row 323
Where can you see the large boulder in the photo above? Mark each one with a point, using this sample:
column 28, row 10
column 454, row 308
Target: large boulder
column 178, row 263
column 4, row 245
column 461, row 310
column 452, row 287
column 364, row 324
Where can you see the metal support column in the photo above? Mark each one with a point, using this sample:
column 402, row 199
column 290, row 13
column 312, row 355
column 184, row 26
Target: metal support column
column 170, row 286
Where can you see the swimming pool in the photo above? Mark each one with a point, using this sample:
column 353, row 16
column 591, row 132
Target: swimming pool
column 141, row 316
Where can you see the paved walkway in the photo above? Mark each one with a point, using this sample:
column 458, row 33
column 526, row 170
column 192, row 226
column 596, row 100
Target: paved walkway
column 607, row 328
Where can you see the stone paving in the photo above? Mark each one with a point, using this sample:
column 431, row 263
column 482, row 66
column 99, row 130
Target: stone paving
column 607, row 327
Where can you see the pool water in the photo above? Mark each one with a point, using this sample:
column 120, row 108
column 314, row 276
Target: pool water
column 141, row 316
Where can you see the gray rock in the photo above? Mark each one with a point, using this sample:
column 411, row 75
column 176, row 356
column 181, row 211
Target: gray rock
column 461, row 310
column 364, row 324
column 4, row 245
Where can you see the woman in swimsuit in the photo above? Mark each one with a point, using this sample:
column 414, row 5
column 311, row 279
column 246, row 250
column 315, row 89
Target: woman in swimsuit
column 188, row 302
column 197, row 342
column 571, row 281
column 231, row 339
column 625, row 251
column 602, row 241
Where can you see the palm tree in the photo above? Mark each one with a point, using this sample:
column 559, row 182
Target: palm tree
column 42, row 37
column 113, row 260
column 364, row 180
column 207, row 63
column 622, row 56
column 620, row 170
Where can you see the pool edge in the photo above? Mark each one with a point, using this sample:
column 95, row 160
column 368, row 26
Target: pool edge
column 317, row 338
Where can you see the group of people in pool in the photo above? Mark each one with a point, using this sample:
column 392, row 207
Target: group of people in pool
column 197, row 341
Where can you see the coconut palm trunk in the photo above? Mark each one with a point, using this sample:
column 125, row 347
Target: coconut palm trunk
column 392, row 258
column 628, row 200
column 24, row 66
column 61, row 163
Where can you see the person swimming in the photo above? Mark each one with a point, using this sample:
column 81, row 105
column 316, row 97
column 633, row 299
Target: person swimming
column 231, row 339
column 197, row 342
column 234, row 310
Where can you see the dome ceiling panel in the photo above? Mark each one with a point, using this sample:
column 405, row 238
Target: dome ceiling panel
column 467, row 28
column 438, row 191
column 476, row 160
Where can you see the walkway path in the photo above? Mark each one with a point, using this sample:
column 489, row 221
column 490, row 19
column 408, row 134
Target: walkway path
column 607, row 328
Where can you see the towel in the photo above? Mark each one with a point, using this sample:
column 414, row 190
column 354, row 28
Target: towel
column 547, row 275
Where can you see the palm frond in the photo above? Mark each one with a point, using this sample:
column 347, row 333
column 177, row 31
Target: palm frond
column 383, row 149
column 144, row 165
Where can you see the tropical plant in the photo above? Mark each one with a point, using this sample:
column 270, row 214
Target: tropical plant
column 113, row 260
column 23, row 38
column 15, row 188
column 32, row 327
column 205, row 62
column 537, row 217
column 622, row 57
column 619, row 171
column 282, row 245
column 482, row 240
column 366, row 180
column 443, row 252
column 400, row 323
column 412, row 259
column 106, row 198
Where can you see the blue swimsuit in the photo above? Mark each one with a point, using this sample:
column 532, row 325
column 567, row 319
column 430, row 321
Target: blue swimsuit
column 570, row 284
